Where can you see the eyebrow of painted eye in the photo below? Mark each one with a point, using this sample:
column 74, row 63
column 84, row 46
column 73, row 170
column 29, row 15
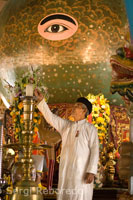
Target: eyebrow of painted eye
column 57, row 16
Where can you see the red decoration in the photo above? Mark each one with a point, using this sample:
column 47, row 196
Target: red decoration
column 90, row 118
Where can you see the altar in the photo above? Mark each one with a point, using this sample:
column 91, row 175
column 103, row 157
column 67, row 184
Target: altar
column 103, row 186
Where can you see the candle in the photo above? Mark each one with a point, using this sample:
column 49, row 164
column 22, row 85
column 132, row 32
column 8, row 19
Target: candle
column 11, row 99
column 29, row 90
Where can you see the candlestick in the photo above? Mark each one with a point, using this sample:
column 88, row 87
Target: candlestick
column 29, row 90
column 26, row 183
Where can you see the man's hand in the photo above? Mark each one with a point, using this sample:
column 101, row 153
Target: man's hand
column 89, row 178
column 39, row 95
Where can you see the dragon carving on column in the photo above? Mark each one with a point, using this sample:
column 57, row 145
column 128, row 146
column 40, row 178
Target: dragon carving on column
column 122, row 82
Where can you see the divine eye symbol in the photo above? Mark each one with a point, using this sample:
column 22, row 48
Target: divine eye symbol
column 55, row 28
column 58, row 26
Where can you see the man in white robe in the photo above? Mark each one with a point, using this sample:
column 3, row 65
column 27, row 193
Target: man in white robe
column 80, row 150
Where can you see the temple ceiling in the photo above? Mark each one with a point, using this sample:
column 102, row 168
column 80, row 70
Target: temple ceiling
column 71, row 41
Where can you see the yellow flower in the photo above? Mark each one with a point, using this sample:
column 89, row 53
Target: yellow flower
column 100, row 120
column 96, row 125
column 20, row 105
column 15, row 120
column 102, row 101
column 35, row 120
column 108, row 111
column 107, row 118
column 101, row 134
column 24, row 85
column 105, row 124
column 21, row 121
column 17, row 130
column 95, row 115
column 36, row 129
column 103, row 128
column 95, row 109
column 17, row 113
column 35, row 114
column 11, row 113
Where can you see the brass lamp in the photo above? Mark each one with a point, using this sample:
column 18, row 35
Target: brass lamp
column 27, row 189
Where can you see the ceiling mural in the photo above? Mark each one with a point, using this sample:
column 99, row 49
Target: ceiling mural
column 58, row 26
column 74, row 54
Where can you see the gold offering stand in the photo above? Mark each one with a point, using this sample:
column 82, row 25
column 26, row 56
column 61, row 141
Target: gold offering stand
column 27, row 189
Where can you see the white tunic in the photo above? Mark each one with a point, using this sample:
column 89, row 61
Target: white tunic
column 79, row 155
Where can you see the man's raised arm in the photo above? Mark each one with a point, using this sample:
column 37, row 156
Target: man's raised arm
column 55, row 121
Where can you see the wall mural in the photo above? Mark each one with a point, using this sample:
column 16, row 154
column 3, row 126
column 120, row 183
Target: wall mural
column 36, row 33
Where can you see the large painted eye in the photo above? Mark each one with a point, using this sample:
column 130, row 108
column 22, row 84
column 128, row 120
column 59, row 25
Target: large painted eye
column 57, row 26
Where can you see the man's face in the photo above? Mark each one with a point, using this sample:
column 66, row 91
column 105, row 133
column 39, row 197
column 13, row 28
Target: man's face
column 78, row 110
